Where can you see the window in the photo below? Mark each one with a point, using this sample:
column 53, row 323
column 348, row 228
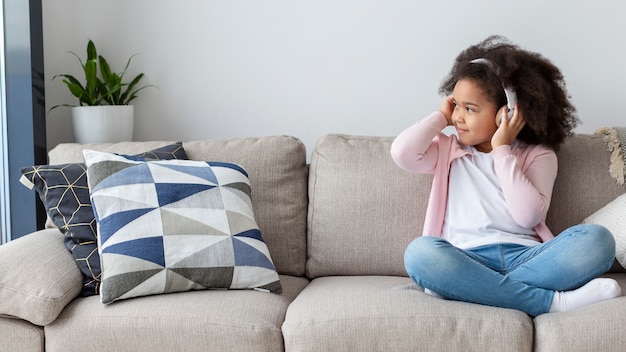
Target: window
column 22, row 114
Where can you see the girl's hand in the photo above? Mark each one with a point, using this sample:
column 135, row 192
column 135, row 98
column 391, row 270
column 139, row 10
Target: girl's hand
column 507, row 129
column 446, row 108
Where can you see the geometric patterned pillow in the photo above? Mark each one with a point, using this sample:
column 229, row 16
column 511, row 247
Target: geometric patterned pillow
column 65, row 195
column 176, row 225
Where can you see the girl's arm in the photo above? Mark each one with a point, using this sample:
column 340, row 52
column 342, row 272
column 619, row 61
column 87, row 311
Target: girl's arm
column 527, row 192
column 416, row 148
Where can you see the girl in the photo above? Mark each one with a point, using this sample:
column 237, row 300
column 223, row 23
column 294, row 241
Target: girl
column 485, row 239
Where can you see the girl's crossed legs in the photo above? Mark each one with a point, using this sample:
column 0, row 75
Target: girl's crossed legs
column 519, row 277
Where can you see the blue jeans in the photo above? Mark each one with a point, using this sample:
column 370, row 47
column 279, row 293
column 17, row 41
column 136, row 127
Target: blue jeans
column 511, row 275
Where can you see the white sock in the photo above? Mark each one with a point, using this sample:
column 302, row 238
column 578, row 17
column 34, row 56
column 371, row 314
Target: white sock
column 431, row 293
column 594, row 291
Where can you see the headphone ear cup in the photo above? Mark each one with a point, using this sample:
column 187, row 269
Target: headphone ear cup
column 502, row 113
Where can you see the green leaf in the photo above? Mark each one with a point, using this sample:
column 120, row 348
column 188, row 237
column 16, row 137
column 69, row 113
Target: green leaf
column 105, row 70
column 77, row 57
column 127, row 65
column 127, row 93
column 69, row 78
column 92, row 54
column 91, row 75
column 58, row 106
column 76, row 89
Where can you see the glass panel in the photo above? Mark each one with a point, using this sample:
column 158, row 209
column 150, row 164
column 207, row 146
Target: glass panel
column 4, row 187
column 22, row 114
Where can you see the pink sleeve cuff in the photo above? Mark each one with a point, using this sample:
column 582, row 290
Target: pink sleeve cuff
column 501, row 151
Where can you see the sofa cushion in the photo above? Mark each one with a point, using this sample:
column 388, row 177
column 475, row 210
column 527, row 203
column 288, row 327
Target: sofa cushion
column 583, row 184
column 19, row 335
column 596, row 327
column 384, row 313
column 613, row 217
column 176, row 225
column 38, row 277
column 191, row 321
column 363, row 209
column 64, row 193
column 278, row 175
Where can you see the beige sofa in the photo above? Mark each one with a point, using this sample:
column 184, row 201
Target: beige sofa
column 336, row 230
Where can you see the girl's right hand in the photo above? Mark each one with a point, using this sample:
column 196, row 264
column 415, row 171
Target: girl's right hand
column 446, row 108
column 507, row 129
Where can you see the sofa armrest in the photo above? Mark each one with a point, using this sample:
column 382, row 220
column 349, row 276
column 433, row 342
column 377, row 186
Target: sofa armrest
column 38, row 277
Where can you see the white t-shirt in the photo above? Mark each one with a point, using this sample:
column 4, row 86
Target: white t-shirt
column 476, row 212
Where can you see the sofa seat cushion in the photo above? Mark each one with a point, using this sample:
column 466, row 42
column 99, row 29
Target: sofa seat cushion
column 386, row 313
column 597, row 327
column 38, row 277
column 19, row 335
column 188, row 321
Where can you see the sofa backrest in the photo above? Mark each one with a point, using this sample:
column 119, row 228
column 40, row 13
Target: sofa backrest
column 278, row 176
column 583, row 184
column 364, row 210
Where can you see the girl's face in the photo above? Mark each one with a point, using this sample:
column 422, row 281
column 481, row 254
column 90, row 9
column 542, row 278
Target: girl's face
column 474, row 115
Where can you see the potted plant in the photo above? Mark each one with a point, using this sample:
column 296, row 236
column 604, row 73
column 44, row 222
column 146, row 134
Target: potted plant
column 103, row 113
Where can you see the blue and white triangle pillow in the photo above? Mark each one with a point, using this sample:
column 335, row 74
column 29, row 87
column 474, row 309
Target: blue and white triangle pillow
column 175, row 225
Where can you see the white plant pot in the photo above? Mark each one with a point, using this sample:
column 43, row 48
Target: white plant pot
column 103, row 123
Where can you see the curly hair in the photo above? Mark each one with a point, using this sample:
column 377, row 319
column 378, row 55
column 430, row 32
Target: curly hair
column 539, row 84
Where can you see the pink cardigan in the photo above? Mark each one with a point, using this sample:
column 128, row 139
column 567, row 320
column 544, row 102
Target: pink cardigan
column 526, row 173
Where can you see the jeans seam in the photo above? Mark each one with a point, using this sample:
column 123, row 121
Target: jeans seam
column 503, row 268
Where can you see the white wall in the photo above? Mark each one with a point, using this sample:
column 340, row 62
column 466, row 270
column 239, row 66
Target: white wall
column 307, row 68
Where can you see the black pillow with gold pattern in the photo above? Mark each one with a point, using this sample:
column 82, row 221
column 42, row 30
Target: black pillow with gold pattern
column 65, row 195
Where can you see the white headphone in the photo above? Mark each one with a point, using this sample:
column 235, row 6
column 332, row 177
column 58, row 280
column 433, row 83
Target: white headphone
column 511, row 96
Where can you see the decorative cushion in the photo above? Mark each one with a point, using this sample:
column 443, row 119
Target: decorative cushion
column 613, row 217
column 65, row 196
column 172, row 226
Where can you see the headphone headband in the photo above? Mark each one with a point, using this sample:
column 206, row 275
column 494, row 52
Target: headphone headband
column 511, row 97
column 489, row 64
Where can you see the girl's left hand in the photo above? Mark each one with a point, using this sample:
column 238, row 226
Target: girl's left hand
column 507, row 129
